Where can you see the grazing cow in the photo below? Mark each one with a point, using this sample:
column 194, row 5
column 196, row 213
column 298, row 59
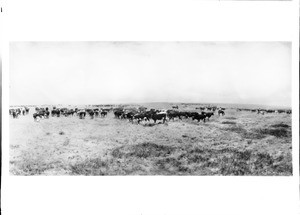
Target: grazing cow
column 55, row 112
column 262, row 112
column 15, row 114
column 160, row 116
column 81, row 114
column 270, row 111
column 91, row 113
column 130, row 116
column 141, row 116
column 46, row 114
column 172, row 114
column 221, row 112
column 208, row 114
column 199, row 117
column 96, row 113
column 118, row 113
column 35, row 116
column 175, row 107
column 38, row 115
column 103, row 113
column 191, row 114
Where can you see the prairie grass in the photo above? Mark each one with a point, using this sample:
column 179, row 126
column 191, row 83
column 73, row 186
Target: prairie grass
column 239, row 143
column 183, row 160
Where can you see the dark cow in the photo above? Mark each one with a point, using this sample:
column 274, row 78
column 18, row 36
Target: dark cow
column 39, row 114
column 191, row 114
column 46, row 114
column 141, row 116
column 26, row 110
column 97, row 112
column 172, row 114
column 262, row 112
column 175, row 107
column 91, row 113
column 15, row 114
column 130, row 116
column 221, row 112
column 199, row 117
column 81, row 114
column 160, row 116
column 118, row 113
column 55, row 112
column 103, row 113
column 208, row 114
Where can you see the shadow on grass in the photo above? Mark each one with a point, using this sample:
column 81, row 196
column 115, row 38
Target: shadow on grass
column 229, row 123
column 155, row 159
column 260, row 133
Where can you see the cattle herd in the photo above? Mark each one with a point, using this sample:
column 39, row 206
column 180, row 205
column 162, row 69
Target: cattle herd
column 18, row 111
column 136, row 114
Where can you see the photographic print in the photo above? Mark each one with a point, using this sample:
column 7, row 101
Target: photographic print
column 150, row 108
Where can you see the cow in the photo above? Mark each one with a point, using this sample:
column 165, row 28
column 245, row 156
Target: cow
column 118, row 113
column 159, row 116
column 141, row 116
column 130, row 116
column 96, row 113
column 262, row 112
column 221, row 112
column 91, row 113
column 27, row 110
column 55, row 112
column 15, row 114
column 175, row 106
column 172, row 114
column 191, row 114
column 46, row 114
column 199, row 117
column 208, row 114
column 39, row 115
column 81, row 114
column 103, row 113
column 289, row 111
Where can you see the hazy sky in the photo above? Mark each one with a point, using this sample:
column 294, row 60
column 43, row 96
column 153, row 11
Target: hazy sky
column 125, row 72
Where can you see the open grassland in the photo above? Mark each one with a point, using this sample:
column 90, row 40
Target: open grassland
column 239, row 143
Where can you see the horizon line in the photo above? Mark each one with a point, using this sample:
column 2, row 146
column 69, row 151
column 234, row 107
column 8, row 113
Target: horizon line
column 128, row 103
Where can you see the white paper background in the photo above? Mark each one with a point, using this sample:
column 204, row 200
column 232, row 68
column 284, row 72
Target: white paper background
column 150, row 21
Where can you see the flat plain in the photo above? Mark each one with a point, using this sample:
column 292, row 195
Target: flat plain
column 239, row 143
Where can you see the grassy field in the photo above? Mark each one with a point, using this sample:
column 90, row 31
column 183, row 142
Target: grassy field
column 239, row 143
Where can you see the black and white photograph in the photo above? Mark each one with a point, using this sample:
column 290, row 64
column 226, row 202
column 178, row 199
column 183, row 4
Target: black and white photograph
column 150, row 108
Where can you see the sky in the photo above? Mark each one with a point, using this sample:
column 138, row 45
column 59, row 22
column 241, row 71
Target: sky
column 78, row 73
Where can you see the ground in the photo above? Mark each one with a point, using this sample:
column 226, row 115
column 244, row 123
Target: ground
column 239, row 143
